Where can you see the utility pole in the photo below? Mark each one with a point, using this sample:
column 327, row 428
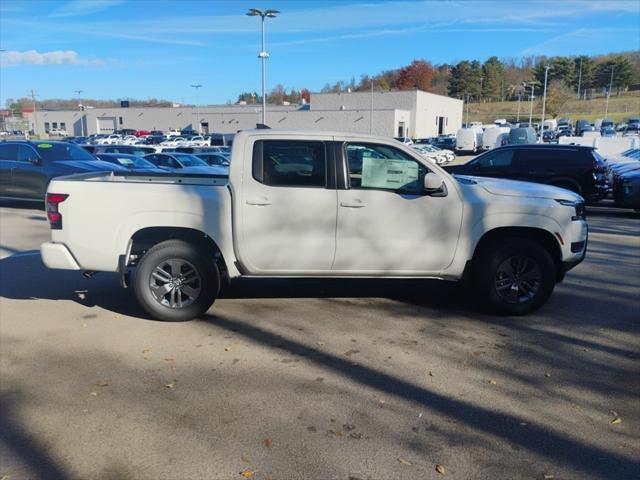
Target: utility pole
column 531, row 110
column 198, row 86
column 544, row 101
column 606, row 109
column 79, row 92
column 518, row 116
column 467, row 122
column 33, row 100
column 579, row 78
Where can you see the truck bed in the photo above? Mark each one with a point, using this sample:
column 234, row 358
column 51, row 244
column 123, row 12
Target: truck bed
column 144, row 177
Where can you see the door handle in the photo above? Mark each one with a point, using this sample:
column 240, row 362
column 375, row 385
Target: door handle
column 262, row 202
column 355, row 204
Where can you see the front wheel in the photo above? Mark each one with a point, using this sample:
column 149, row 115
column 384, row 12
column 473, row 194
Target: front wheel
column 514, row 276
column 176, row 281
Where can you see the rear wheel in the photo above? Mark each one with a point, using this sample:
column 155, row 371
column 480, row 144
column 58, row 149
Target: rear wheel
column 176, row 281
column 514, row 276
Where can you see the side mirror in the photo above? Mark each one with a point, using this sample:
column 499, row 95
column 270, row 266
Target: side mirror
column 434, row 185
column 34, row 161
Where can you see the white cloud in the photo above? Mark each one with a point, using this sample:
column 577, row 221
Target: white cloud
column 56, row 57
column 77, row 8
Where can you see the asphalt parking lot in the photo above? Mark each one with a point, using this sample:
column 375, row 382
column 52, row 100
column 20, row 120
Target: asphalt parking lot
column 319, row 379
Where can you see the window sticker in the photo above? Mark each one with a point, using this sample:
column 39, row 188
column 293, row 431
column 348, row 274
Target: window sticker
column 390, row 174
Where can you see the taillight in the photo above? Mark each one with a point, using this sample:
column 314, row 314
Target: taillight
column 54, row 216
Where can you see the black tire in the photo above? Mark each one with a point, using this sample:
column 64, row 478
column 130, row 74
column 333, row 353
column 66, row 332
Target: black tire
column 196, row 277
column 525, row 291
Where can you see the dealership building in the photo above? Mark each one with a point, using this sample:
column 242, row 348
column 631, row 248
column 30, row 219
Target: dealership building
column 415, row 114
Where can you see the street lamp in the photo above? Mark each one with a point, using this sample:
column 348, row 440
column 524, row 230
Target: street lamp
column 544, row 100
column 197, row 86
column 263, row 55
column 80, row 107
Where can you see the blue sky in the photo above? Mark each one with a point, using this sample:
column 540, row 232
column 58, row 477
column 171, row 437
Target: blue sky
column 142, row 48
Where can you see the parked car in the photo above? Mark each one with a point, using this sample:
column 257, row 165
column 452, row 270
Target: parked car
column 469, row 139
column 446, row 143
column 108, row 139
column 580, row 125
column 577, row 168
column 214, row 159
column 522, row 136
column 548, row 136
column 142, row 133
column 587, row 130
column 608, row 132
column 139, row 150
column 26, row 168
column 58, row 132
column 626, row 191
column 294, row 205
column 154, row 139
column 131, row 162
column 495, row 137
column 404, row 140
column 185, row 162
column 632, row 130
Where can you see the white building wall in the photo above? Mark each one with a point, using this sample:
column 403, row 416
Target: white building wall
column 348, row 112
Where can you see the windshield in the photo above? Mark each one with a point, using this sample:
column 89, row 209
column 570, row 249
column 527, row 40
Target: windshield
column 54, row 152
column 134, row 162
column 187, row 160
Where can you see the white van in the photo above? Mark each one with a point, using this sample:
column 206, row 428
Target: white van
column 469, row 139
column 495, row 137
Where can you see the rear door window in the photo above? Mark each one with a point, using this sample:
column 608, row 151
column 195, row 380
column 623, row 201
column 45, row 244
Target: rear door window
column 9, row 152
column 496, row 159
column 290, row 163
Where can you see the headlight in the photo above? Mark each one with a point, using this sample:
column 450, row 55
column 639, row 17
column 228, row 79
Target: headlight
column 578, row 207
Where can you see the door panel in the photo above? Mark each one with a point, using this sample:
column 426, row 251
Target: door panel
column 8, row 153
column 29, row 180
column 386, row 224
column 287, row 213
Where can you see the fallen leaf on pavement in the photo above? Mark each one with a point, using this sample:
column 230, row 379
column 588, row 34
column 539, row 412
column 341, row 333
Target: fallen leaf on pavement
column 404, row 462
column 440, row 469
column 616, row 421
column 548, row 476
column 267, row 443
column 491, row 382
column 169, row 359
column 227, row 349
column 430, row 373
column 94, row 394
column 169, row 385
column 547, row 374
column 146, row 350
column 247, row 473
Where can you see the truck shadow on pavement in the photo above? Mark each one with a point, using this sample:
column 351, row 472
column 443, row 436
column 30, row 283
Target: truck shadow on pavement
column 23, row 276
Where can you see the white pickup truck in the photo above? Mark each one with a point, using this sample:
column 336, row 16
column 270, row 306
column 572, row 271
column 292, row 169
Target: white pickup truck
column 315, row 204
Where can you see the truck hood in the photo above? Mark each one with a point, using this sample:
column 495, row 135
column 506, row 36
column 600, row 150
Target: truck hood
column 514, row 188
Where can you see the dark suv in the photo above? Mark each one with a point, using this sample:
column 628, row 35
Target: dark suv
column 27, row 167
column 576, row 168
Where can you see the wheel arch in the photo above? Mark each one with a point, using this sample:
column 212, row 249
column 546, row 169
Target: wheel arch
column 145, row 238
column 541, row 236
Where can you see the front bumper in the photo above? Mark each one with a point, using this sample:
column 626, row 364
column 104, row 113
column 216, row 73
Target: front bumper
column 57, row 255
column 575, row 260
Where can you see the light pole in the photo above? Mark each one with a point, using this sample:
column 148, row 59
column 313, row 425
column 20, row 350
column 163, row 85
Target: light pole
column 79, row 92
column 606, row 108
column 371, row 111
column 544, row 100
column 197, row 86
column 579, row 78
column 518, row 116
column 263, row 55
